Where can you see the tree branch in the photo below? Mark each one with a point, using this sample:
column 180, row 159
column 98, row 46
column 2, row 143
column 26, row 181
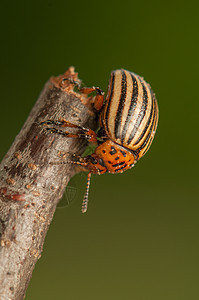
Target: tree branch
column 30, row 187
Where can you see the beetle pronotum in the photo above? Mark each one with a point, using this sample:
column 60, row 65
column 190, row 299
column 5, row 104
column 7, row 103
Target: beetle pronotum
column 127, row 119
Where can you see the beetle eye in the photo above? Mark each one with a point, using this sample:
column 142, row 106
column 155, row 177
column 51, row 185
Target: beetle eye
column 101, row 162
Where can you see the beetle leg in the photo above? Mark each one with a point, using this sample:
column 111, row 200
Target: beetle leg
column 62, row 123
column 86, row 133
column 64, row 154
column 87, row 136
column 80, row 163
column 99, row 99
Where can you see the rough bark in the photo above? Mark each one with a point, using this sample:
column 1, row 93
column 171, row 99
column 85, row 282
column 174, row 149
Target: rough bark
column 31, row 187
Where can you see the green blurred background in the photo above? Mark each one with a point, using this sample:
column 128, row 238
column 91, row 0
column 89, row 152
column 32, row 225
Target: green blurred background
column 139, row 239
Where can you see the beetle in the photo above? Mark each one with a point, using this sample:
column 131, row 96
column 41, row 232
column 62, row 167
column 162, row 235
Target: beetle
column 128, row 120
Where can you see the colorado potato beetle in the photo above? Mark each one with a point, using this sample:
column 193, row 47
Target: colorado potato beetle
column 127, row 123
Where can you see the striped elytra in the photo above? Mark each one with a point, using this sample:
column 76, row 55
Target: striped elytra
column 128, row 120
column 130, row 113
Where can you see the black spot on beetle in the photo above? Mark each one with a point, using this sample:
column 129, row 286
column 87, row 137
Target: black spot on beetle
column 117, row 158
column 113, row 150
column 103, row 151
column 109, row 162
column 123, row 153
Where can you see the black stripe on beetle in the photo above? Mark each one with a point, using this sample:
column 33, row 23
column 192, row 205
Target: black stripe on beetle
column 121, row 105
column 153, row 129
column 149, row 134
column 141, row 114
column 112, row 81
column 148, row 123
column 132, row 107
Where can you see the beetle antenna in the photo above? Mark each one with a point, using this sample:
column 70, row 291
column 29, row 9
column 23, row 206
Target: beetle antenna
column 85, row 200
